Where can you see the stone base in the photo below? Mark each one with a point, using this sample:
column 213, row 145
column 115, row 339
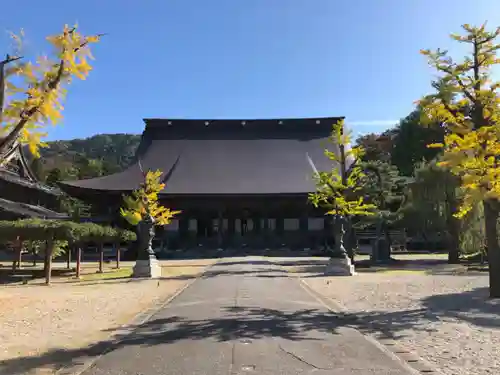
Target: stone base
column 340, row 267
column 149, row 268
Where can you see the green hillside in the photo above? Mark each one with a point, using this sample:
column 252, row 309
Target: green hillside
column 85, row 158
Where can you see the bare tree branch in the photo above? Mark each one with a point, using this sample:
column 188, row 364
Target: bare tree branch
column 3, row 63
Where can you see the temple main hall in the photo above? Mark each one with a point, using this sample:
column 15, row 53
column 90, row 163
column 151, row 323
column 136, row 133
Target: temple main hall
column 238, row 183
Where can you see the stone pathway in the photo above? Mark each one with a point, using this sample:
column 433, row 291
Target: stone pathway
column 244, row 317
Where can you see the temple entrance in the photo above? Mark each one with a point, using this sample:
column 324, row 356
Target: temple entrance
column 204, row 228
column 256, row 230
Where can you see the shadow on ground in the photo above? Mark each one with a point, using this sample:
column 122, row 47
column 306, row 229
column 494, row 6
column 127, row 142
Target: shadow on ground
column 303, row 267
column 8, row 276
column 296, row 325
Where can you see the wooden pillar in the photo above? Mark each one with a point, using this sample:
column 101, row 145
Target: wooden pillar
column 265, row 224
column 256, row 223
column 19, row 250
column 101, row 257
column 183, row 231
column 256, row 236
column 279, row 229
column 304, row 230
column 118, row 253
column 32, row 250
column 329, row 236
column 266, row 232
column 78, row 260
column 20, row 254
column 16, row 262
column 280, row 224
column 200, row 227
column 48, row 260
column 231, row 228
column 68, row 258
column 220, row 227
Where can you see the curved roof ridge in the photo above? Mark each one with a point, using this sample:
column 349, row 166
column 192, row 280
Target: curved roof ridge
column 233, row 123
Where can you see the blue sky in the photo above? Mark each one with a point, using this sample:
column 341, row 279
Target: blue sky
column 247, row 58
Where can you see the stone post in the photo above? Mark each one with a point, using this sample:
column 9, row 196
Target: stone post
column 340, row 264
column 146, row 264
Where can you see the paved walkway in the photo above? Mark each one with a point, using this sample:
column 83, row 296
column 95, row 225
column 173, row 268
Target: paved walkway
column 246, row 317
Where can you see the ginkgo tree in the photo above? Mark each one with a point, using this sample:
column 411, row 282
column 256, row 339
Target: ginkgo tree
column 31, row 93
column 467, row 103
column 144, row 201
column 339, row 190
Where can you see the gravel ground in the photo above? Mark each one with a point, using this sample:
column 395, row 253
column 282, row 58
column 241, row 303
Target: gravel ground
column 445, row 319
column 37, row 319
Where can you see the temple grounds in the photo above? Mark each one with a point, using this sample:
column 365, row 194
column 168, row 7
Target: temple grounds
column 73, row 313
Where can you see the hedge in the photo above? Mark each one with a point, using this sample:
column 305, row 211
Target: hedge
column 42, row 230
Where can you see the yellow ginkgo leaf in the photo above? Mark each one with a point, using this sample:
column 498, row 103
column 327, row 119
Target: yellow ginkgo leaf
column 39, row 87
column 144, row 201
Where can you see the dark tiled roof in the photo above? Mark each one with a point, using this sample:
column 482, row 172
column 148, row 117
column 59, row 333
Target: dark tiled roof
column 227, row 156
column 16, row 179
column 29, row 210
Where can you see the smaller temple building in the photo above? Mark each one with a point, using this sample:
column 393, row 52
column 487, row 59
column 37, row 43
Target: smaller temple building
column 238, row 183
column 21, row 194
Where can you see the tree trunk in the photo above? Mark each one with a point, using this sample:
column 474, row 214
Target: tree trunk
column 32, row 249
column 78, row 260
column 388, row 244
column 16, row 263
column 101, row 257
column 454, row 242
column 452, row 224
column 45, row 256
column 118, row 253
column 375, row 253
column 490, row 223
column 48, row 261
column 20, row 255
column 68, row 258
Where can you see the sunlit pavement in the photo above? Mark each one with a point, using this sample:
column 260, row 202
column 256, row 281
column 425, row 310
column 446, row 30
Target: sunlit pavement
column 246, row 316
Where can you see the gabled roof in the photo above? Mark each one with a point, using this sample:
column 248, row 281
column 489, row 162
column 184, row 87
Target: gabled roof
column 15, row 169
column 16, row 155
column 15, row 179
column 226, row 157
column 29, row 210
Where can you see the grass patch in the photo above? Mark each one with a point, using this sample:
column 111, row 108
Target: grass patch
column 35, row 275
column 167, row 271
column 120, row 273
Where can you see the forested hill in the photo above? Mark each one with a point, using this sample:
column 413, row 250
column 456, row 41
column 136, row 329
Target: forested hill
column 85, row 158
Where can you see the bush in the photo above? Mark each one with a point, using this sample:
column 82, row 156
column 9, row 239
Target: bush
column 43, row 230
column 472, row 236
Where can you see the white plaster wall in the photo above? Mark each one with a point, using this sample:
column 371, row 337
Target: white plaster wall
column 173, row 226
column 291, row 224
column 316, row 223
column 271, row 224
